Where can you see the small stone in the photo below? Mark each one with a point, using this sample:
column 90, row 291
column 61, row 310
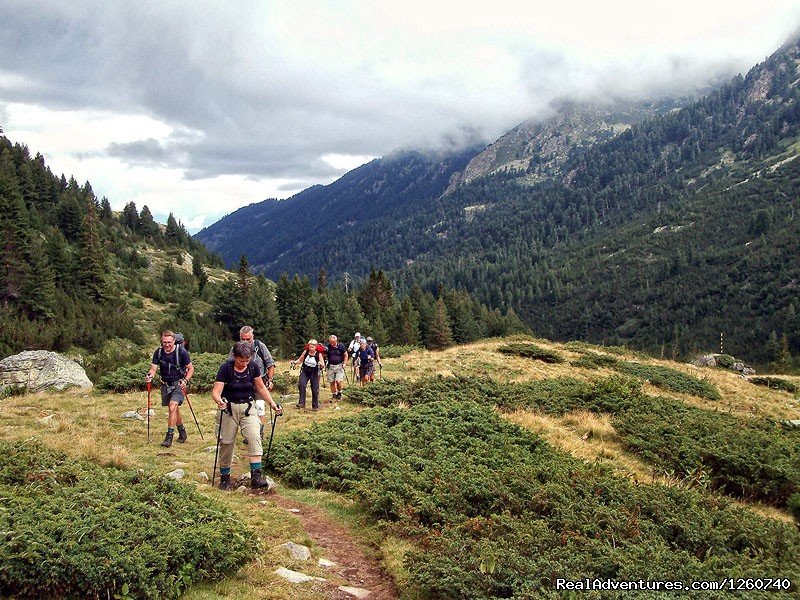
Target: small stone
column 242, row 489
column 132, row 414
column 295, row 577
column 324, row 562
column 297, row 551
column 177, row 474
column 202, row 477
column 354, row 591
column 263, row 503
column 294, row 510
column 46, row 420
column 210, row 449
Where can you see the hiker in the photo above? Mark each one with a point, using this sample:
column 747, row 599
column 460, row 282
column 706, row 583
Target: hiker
column 366, row 360
column 176, row 369
column 312, row 362
column 376, row 351
column 352, row 350
column 337, row 356
column 235, row 387
column 266, row 368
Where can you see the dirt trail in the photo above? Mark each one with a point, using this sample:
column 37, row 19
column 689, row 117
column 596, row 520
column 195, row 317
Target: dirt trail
column 352, row 564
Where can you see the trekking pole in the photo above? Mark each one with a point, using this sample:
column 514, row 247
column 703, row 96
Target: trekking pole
column 195, row 416
column 345, row 375
column 274, row 420
column 148, row 412
column 216, row 452
column 380, row 371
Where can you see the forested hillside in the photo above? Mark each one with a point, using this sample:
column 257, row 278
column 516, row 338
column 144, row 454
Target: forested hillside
column 72, row 270
column 347, row 226
column 76, row 277
column 561, row 249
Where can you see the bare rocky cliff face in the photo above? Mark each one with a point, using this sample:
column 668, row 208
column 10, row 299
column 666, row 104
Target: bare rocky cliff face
column 536, row 149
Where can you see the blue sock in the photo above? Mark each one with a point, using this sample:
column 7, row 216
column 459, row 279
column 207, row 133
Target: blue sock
column 224, row 470
column 255, row 466
column 170, row 430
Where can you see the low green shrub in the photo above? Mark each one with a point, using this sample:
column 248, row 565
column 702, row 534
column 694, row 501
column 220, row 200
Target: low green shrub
column 752, row 459
column 131, row 377
column 397, row 350
column 725, row 361
column 529, row 350
column 73, row 529
column 794, row 506
column 670, row 379
column 593, row 360
column 498, row 513
column 755, row 459
column 776, row 383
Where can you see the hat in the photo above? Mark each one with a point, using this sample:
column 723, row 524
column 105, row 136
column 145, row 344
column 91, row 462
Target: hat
column 358, row 334
column 369, row 338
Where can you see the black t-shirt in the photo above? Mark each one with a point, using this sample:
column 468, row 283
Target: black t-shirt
column 238, row 386
column 335, row 354
column 172, row 365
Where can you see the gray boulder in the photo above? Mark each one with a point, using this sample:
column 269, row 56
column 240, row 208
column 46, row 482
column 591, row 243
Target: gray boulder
column 40, row 370
column 705, row 361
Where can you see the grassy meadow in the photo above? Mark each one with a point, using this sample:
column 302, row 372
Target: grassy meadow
column 89, row 426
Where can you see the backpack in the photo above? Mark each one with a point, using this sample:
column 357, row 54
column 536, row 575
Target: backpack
column 179, row 339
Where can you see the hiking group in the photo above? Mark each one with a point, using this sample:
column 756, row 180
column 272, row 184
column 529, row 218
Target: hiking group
column 242, row 388
column 363, row 353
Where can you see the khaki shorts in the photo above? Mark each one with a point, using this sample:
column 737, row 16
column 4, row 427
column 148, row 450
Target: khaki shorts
column 335, row 373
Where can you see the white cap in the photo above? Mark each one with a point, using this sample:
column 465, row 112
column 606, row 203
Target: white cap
column 358, row 334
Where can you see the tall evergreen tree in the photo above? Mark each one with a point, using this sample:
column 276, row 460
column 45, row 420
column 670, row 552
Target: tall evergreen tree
column 440, row 335
column 93, row 265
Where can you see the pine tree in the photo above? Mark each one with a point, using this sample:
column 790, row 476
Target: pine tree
column 408, row 332
column 15, row 234
column 200, row 273
column 147, row 225
column 173, row 231
column 130, row 217
column 39, row 292
column 440, row 335
column 243, row 281
column 106, row 215
column 93, row 269
column 70, row 217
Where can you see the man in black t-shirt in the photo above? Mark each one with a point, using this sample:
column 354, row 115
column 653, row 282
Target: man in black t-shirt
column 337, row 357
column 237, row 383
column 176, row 369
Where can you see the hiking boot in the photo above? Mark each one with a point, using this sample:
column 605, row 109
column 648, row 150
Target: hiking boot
column 225, row 482
column 168, row 439
column 257, row 480
column 299, row 405
column 181, row 434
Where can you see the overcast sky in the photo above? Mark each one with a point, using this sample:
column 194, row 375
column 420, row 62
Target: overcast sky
column 200, row 107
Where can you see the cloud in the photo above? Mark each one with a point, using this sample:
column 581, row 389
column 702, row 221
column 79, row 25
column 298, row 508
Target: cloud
column 269, row 92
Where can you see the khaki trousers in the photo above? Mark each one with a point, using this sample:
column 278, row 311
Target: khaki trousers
column 231, row 424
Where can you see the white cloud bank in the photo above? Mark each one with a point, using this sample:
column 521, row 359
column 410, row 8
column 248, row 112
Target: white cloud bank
column 198, row 108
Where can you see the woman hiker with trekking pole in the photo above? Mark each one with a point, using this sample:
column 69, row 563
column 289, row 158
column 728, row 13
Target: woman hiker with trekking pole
column 311, row 363
column 237, row 383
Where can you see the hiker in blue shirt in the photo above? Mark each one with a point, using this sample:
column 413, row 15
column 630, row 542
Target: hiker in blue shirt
column 366, row 358
column 176, row 369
